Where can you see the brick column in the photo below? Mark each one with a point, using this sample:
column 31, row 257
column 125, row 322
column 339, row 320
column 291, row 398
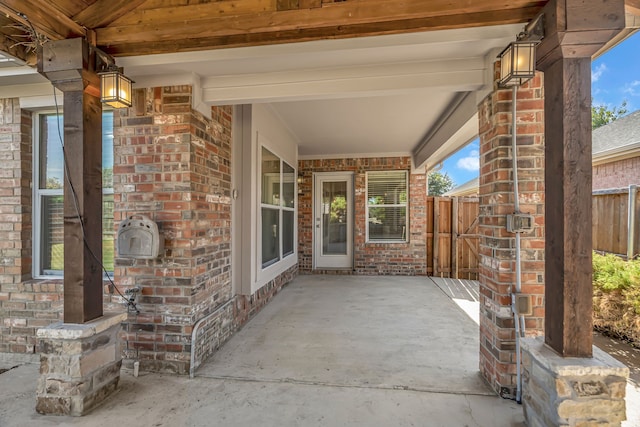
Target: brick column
column 172, row 164
column 497, row 246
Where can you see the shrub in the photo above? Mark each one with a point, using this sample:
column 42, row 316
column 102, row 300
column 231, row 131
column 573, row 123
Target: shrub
column 616, row 296
column 611, row 272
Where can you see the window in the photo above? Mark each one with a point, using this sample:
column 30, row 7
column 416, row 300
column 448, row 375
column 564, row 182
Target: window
column 387, row 206
column 277, row 208
column 48, row 195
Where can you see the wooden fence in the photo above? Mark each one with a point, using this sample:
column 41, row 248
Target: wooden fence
column 452, row 230
column 452, row 237
column 611, row 218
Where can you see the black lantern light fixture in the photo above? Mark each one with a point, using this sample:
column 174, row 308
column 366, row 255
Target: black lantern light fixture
column 115, row 88
column 517, row 63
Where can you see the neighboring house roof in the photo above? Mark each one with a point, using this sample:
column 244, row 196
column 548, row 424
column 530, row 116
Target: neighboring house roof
column 469, row 188
column 617, row 140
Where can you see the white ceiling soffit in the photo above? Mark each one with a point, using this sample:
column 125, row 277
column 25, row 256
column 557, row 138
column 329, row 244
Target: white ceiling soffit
column 341, row 98
column 362, row 126
column 14, row 72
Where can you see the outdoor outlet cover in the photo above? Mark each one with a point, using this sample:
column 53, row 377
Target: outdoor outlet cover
column 524, row 305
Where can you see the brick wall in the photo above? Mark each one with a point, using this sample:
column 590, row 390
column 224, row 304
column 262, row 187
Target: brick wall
column 15, row 192
column 617, row 174
column 174, row 165
column 497, row 256
column 25, row 305
column 370, row 258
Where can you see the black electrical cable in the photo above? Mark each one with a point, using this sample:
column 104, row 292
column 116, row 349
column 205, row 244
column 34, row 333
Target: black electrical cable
column 130, row 301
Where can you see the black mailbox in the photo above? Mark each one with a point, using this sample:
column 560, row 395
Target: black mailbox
column 138, row 237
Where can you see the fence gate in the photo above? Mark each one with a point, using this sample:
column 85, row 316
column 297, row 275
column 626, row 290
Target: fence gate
column 452, row 237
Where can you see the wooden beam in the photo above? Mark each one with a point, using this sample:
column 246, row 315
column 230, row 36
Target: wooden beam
column 568, row 207
column 330, row 16
column 104, row 12
column 67, row 63
column 336, row 20
column 566, row 62
column 578, row 29
column 44, row 16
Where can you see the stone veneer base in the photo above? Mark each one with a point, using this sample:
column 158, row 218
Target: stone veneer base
column 571, row 391
column 79, row 365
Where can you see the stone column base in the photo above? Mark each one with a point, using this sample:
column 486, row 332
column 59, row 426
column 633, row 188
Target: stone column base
column 572, row 391
column 79, row 365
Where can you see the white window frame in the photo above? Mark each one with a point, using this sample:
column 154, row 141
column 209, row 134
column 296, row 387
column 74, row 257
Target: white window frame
column 38, row 195
column 283, row 259
column 405, row 205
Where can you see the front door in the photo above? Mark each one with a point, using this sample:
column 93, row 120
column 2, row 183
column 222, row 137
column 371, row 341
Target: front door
column 333, row 220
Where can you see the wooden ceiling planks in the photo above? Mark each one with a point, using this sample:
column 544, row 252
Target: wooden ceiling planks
column 72, row 7
column 104, row 12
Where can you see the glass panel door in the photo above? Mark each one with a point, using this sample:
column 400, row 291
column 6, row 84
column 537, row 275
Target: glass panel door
column 333, row 209
column 334, row 218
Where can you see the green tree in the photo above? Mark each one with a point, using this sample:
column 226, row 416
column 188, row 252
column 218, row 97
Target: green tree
column 338, row 208
column 53, row 183
column 439, row 183
column 603, row 115
column 107, row 178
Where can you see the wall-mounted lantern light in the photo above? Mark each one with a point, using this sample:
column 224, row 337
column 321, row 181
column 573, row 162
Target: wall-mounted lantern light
column 115, row 88
column 517, row 63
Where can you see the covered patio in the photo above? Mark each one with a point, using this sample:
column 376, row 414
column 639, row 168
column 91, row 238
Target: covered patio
column 267, row 139
column 328, row 350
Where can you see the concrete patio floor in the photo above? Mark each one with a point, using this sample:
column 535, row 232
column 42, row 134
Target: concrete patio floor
column 327, row 351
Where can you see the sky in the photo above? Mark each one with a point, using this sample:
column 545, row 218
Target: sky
column 615, row 77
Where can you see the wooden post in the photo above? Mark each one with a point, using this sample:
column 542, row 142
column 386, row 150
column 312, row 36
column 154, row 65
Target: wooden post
column 436, row 234
column 454, row 237
column 574, row 31
column 631, row 222
column 69, row 66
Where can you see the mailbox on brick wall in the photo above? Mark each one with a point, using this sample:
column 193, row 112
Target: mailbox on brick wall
column 138, row 237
